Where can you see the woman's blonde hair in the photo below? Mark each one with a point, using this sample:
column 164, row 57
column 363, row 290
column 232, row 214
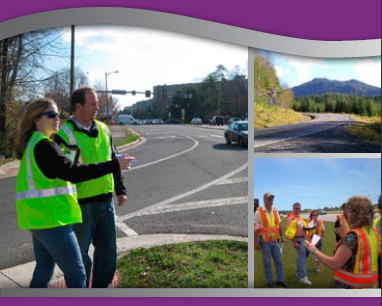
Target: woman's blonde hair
column 362, row 212
column 27, row 126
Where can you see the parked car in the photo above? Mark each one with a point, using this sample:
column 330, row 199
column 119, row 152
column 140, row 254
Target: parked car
column 157, row 121
column 196, row 121
column 237, row 132
column 322, row 212
column 123, row 119
column 173, row 121
column 217, row 120
column 234, row 119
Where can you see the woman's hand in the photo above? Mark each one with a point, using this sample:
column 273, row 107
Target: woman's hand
column 125, row 161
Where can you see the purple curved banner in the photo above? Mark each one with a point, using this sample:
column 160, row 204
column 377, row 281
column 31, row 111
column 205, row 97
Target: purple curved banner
column 321, row 20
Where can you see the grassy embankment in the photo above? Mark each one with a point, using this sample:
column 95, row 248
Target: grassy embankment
column 268, row 116
column 324, row 279
column 130, row 137
column 366, row 128
column 209, row 264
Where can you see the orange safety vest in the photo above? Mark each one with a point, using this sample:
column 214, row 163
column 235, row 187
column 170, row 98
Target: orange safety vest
column 317, row 231
column 344, row 225
column 270, row 228
column 365, row 272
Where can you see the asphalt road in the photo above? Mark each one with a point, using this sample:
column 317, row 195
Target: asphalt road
column 186, row 180
column 324, row 134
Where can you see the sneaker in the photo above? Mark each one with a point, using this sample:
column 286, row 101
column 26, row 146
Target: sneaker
column 305, row 280
column 283, row 284
column 318, row 270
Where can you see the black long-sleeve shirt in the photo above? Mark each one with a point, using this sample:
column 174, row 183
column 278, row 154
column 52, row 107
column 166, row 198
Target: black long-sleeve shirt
column 119, row 186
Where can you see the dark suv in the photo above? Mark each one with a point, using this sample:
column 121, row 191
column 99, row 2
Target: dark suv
column 217, row 120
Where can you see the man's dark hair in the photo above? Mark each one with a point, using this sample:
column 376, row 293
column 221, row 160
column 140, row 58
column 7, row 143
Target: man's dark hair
column 78, row 97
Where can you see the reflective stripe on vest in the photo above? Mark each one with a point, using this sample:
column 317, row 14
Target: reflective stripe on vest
column 44, row 193
column 270, row 227
column 292, row 228
column 377, row 225
column 72, row 140
column 365, row 272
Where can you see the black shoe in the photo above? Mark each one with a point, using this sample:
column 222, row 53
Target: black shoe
column 272, row 285
column 283, row 284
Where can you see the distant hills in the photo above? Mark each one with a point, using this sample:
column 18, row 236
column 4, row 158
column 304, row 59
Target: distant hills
column 322, row 86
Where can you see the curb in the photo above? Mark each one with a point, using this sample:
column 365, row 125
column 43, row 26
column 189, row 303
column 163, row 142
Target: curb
column 20, row 276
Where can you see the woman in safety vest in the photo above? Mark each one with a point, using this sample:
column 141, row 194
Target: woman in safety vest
column 46, row 199
column 355, row 259
column 317, row 227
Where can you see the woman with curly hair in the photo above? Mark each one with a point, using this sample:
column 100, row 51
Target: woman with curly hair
column 355, row 259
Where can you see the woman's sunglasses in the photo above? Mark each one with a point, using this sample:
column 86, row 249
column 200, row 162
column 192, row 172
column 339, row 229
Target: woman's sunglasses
column 51, row 114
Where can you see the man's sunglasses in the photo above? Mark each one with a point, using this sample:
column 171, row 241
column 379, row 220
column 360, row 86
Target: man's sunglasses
column 51, row 114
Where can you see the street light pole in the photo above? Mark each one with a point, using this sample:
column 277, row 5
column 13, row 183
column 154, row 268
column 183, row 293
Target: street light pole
column 107, row 96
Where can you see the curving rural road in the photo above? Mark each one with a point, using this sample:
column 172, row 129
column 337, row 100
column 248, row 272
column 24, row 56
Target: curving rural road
column 324, row 134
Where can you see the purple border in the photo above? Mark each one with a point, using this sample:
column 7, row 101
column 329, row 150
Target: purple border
column 321, row 20
column 191, row 301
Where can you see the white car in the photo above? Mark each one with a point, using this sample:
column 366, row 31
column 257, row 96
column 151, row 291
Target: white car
column 196, row 121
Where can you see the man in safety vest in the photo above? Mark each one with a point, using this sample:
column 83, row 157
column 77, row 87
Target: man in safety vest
column 341, row 225
column 377, row 225
column 296, row 232
column 95, row 196
column 267, row 240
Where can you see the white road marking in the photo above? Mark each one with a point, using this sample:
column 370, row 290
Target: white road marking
column 124, row 228
column 218, row 136
column 196, row 143
column 165, row 137
column 299, row 136
column 234, row 181
column 183, row 195
column 176, row 207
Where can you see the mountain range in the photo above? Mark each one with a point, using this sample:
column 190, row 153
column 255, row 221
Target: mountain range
column 322, row 86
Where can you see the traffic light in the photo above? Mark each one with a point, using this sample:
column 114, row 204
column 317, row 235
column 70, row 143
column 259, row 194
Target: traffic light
column 147, row 93
column 165, row 94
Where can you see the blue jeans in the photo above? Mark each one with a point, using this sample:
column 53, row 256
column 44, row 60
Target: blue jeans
column 268, row 250
column 57, row 245
column 301, row 261
column 98, row 226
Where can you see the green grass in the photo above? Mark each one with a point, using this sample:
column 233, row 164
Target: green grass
column 324, row 279
column 130, row 137
column 366, row 128
column 209, row 264
column 268, row 116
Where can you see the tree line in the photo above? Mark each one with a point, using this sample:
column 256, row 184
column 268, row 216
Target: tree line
column 339, row 103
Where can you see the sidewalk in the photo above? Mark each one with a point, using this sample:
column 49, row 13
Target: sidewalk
column 20, row 276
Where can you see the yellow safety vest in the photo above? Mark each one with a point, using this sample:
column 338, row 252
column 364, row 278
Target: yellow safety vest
column 43, row 203
column 292, row 228
column 365, row 272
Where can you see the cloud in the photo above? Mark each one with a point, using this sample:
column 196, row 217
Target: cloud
column 369, row 71
column 302, row 65
column 282, row 72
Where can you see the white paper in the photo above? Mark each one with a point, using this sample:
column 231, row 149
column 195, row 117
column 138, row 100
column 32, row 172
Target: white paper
column 316, row 239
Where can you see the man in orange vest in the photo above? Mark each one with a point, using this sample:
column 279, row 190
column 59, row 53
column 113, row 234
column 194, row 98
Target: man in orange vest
column 267, row 240
column 341, row 225
column 296, row 232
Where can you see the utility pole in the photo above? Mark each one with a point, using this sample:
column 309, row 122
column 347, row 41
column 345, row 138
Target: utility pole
column 72, row 64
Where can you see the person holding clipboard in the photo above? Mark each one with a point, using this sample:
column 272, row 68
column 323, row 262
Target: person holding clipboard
column 46, row 197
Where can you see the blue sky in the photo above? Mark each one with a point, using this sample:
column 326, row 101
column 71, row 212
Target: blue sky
column 316, row 182
column 296, row 70
column 148, row 57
